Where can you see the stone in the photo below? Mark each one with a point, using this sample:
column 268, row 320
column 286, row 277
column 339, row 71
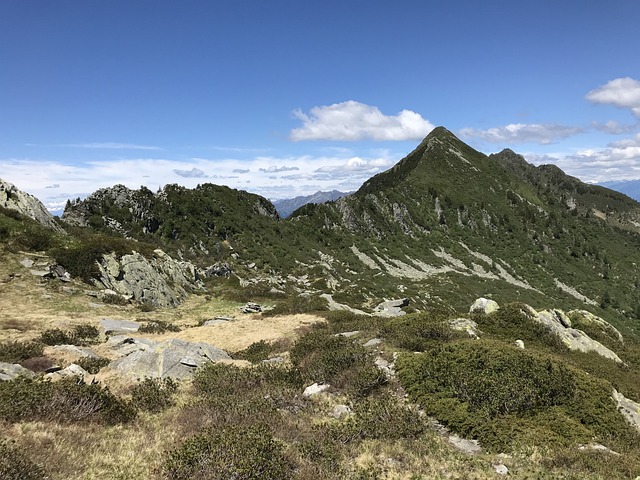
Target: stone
column 520, row 344
column 315, row 389
column 465, row 325
column 215, row 321
column 110, row 325
column 597, row 447
column 10, row 371
column 217, row 270
column 501, row 469
column 556, row 320
column 251, row 308
column 159, row 280
column 80, row 352
column 274, row 360
column 372, row 343
column 172, row 358
column 385, row 367
column 588, row 317
column 26, row 262
column 628, row 408
column 340, row 411
column 470, row 447
column 347, row 334
column 391, row 308
column 72, row 370
column 484, row 305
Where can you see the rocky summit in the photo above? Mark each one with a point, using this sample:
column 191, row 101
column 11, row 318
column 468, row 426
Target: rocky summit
column 455, row 314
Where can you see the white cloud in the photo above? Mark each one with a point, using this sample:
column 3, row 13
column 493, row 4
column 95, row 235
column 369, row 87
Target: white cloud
column 193, row 173
column 515, row 133
column 353, row 120
column 274, row 169
column 310, row 174
column 614, row 127
column 111, row 145
column 621, row 92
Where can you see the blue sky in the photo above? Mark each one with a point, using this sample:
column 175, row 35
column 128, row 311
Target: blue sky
column 284, row 98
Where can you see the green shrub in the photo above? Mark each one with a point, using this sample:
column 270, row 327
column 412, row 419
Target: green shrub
column 416, row 332
column 380, row 417
column 16, row 352
column 67, row 400
column 295, row 305
column 15, row 465
column 257, row 351
column 507, row 397
column 80, row 335
column 346, row 321
column 93, row 364
column 322, row 357
column 158, row 326
column 114, row 299
column 37, row 238
column 80, row 259
column 234, row 452
column 153, row 394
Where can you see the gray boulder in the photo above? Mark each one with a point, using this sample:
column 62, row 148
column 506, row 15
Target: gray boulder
column 559, row 324
column 391, row 308
column 160, row 281
column 111, row 325
column 464, row 325
column 628, row 408
column 11, row 371
column 170, row 358
column 484, row 305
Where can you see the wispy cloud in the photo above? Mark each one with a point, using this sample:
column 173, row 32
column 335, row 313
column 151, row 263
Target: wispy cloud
column 193, row 173
column 111, row 146
column 518, row 133
column 274, row 169
column 621, row 92
column 353, row 121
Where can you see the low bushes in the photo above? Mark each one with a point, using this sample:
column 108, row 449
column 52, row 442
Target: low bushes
column 322, row 357
column 153, row 394
column 16, row 352
column 158, row 326
column 505, row 396
column 417, row 332
column 81, row 335
column 92, row 364
column 63, row 401
column 16, row 465
column 238, row 452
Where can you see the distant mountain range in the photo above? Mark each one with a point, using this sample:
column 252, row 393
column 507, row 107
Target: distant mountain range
column 287, row 206
column 630, row 188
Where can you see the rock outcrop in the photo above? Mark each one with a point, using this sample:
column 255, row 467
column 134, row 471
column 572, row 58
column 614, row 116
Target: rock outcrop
column 560, row 324
column 160, row 281
column 26, row 204
column 11, row 371
column 628, row 408
column 484, row 305
column 170, row 358
column 391, row 308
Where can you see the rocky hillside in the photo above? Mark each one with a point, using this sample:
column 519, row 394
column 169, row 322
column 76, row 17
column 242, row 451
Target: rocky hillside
column 445, row 223
column 13, row 199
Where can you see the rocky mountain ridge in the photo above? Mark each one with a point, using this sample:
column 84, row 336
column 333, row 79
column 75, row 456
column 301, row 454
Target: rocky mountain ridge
column 287, row 206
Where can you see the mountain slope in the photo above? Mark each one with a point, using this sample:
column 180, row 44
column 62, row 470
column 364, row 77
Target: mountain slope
column 444, row 225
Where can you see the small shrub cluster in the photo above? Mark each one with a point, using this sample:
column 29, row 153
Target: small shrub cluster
column 154, row 394
column 158, row 326
column 505, row 396
column 346, row 321
column 322, row 357
column 16, row 465
column 114, row 299
column 258, row 351
column 67, row 400
column 238, row 452
column 92, row 364
column 380, row 417
column 418, row 331
column 16, row 352
column 294, row 305
column 80, row 335
column 81, row 259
